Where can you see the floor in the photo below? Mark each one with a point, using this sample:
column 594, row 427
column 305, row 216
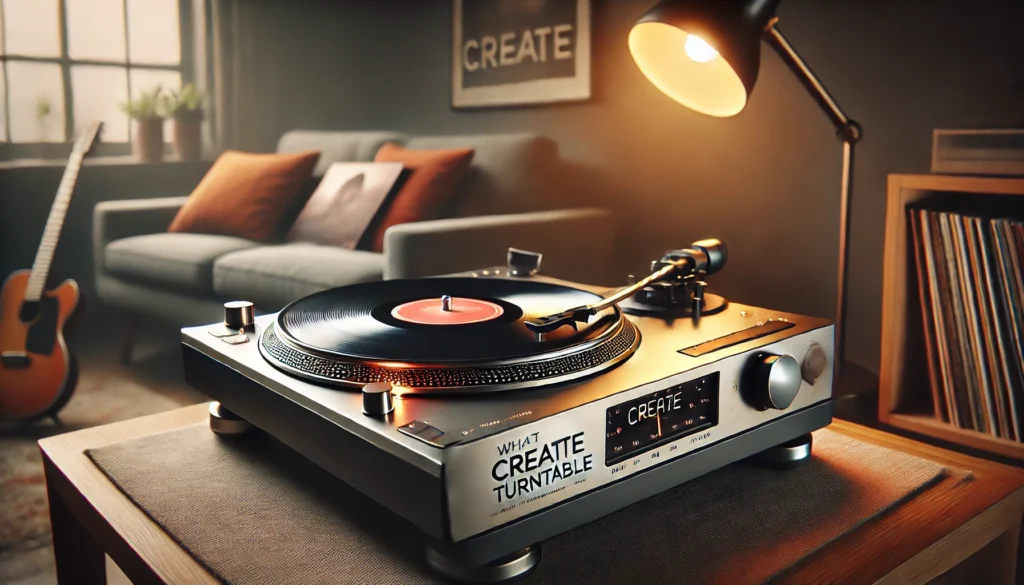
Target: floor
column 107, row 392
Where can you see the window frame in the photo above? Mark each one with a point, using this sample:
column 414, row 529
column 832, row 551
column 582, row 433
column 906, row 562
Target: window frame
column 48, row 150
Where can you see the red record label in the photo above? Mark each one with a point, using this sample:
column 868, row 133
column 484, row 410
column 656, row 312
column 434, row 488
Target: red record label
column 447, row 311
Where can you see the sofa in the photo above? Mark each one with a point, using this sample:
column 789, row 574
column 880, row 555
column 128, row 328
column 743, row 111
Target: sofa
column 509, row 197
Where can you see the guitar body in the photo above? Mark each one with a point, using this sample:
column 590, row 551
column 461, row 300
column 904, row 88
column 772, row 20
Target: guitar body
column 37, row 372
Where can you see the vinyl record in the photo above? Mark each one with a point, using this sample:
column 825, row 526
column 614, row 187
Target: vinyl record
column 379, row 321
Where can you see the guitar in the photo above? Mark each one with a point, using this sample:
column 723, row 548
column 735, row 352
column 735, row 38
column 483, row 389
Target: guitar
column 37, row 372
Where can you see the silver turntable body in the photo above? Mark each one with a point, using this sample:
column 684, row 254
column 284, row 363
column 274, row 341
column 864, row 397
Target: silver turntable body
column 483, row 475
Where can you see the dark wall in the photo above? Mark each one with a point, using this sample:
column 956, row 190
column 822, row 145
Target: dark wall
column 766, row 181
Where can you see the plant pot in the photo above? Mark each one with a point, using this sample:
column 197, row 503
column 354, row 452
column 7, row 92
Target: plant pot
column 149, row 140
column 188, row 141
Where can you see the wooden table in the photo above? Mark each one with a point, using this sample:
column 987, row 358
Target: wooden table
column 956, row 531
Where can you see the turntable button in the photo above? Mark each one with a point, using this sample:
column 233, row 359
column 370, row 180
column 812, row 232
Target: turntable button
column 377, row 399
column 418, row 429
column 236, row 339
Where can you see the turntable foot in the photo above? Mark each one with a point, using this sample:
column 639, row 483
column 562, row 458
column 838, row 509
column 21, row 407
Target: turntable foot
column 508, row 569
column 785, row 456
column 225, row 422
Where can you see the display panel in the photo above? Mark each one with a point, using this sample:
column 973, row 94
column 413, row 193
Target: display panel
column 659, row 417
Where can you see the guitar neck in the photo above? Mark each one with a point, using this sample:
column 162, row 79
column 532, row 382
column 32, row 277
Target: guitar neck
column 54, row 225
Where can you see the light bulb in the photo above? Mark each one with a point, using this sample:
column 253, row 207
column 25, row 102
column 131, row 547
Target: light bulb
column 698, row 49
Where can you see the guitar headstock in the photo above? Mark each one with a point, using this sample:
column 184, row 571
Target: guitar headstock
column 87, row 139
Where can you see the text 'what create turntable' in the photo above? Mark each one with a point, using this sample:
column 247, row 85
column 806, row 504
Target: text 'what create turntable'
column 495, row 409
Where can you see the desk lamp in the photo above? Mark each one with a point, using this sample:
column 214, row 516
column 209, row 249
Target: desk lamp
column 705, row 55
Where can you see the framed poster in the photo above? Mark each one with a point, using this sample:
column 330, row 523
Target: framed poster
column 518, row 52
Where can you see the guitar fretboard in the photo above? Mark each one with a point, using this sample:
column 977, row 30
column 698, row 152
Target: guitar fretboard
column 54, row 224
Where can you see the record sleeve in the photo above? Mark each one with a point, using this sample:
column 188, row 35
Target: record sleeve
column 1013, row 274
column 929, row 319
column 966, row 383
column 991, row 259
column 994, row 387
column 972, row 334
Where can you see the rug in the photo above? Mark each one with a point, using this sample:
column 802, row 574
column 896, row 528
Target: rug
column 270, row 516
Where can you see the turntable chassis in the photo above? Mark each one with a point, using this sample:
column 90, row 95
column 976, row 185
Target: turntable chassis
column 408, row 477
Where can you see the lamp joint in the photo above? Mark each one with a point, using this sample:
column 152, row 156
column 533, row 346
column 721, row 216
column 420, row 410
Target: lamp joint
column 849, row 132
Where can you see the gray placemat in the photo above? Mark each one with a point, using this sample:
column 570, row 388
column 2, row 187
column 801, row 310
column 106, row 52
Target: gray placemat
column 255, row 512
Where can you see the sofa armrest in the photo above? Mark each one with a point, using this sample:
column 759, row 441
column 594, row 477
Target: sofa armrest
column 113, row 220
column 576, row 243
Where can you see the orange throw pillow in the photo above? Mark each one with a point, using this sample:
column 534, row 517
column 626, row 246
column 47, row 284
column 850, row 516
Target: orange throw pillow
column 433, row 177
column 246, row 195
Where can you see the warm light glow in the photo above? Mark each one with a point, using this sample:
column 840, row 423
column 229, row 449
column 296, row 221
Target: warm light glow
column 394, row 365
column 398, row 393
column 662, row 54
column 698, row 49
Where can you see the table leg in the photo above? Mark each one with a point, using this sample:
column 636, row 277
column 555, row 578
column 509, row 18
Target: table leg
column 994, row 564
column 1019, row 576
column 79, row 557
column 1002, row 563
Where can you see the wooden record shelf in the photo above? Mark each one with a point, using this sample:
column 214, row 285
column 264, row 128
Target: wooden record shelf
column 904, row 394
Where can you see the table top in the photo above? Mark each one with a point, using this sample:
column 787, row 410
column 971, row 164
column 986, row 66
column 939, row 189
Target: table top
column 917, row 541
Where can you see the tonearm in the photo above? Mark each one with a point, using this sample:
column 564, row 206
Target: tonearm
column 700, row 259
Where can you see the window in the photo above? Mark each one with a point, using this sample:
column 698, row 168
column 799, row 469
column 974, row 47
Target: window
column 67, row 63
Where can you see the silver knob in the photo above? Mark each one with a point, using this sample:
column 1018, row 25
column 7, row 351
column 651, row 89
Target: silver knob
column 773, row 381
column 239, row 314
column 377, row 399
column 446, row 303
column 815, row 361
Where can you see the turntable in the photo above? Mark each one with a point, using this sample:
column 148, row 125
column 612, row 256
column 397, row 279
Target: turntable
column 495, row 409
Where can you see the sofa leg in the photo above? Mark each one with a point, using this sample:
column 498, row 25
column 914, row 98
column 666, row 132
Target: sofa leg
column 128, row 336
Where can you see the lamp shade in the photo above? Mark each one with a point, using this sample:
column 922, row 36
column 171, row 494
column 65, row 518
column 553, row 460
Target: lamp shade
column 703, row 54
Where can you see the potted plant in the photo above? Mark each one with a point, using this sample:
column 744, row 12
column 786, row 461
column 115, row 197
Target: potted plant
column 44, row 124
column 148, row 145
column 186, row 108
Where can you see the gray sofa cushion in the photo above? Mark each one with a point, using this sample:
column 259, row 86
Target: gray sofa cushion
column 176, row 261
column 509, row 172
column 273, row 276
column 337, row 146
column 152, row 303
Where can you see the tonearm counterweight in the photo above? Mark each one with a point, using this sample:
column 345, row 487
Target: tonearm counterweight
column 678, row 268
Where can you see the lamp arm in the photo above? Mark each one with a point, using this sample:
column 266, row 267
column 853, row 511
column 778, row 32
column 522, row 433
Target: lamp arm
column 844, row 256
column 846, row 129
column 849, row 132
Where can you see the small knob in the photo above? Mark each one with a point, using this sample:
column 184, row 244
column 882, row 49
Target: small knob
column 773, row 381
column 815, row 361
column 377, row 399
column 523, row 262
column 239, row 314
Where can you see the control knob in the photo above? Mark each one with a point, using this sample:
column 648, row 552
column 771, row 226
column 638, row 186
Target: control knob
column 377, row 399
column 239, row 314
column 815, row 362
column 772, row 381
